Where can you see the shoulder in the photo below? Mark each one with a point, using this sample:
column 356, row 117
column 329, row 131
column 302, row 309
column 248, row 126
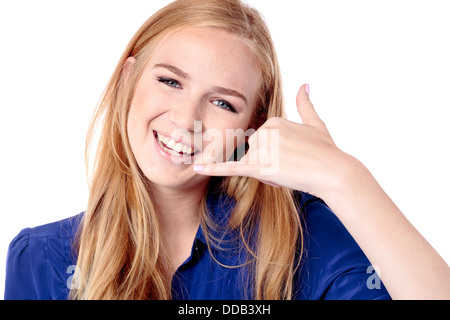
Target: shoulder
column 333, row 265
column 54, row 236
column 38, row 259
column 65, row 228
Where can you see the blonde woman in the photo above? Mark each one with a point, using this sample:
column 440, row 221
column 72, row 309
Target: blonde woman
column 201, row 189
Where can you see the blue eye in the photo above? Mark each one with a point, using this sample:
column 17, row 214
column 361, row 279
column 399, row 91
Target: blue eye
column 224, row 105
column 170, row 82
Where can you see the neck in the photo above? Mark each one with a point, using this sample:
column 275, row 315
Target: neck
column 179, row 217
column 178, row 208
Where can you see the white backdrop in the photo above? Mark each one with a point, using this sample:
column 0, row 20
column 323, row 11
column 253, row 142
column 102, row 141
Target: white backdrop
column 378, row 71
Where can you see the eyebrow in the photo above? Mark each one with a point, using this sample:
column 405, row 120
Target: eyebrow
column 230, row 92
column 184, row 75
column 174, row 69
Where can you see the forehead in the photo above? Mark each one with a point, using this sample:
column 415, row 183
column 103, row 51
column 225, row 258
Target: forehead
column 210, row 53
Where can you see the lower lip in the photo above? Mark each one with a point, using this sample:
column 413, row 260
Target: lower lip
column 172, row 158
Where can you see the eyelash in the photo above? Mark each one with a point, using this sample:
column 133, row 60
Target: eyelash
column 170, row 82
column 228, row 106
column 223, row 104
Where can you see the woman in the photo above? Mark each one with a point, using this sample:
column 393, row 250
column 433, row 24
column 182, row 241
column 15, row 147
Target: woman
column 176, row 210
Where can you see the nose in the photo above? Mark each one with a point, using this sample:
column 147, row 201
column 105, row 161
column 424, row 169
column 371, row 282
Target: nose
column 185, row 113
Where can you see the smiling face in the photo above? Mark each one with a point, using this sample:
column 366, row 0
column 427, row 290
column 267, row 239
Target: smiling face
column 196, row 76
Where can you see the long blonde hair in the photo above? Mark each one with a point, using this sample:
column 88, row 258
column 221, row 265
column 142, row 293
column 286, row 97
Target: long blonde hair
column 120, row 255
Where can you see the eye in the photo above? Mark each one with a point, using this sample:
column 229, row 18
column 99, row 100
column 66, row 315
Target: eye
column 224, row 105
column 170, row 82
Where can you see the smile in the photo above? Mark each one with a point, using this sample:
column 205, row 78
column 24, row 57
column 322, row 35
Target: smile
column 172, row 147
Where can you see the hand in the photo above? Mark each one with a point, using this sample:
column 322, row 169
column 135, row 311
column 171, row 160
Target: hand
column 284, row 153
column 308, row 160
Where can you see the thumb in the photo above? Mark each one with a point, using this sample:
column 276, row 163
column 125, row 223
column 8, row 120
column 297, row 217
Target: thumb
column 306, row 109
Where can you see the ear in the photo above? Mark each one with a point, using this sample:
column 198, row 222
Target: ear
column 127, row 67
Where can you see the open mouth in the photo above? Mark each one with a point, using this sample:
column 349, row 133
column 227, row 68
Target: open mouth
column 172, row 147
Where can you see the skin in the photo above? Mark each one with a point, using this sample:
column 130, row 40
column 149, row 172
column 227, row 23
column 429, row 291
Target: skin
column 183, row 83
column 306, row 157
column 409, row 267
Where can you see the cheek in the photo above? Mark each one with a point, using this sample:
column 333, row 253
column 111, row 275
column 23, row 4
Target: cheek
column 135, row 133
column 144, row 108
column 148, row 100
column 137, row 119
column 139, row 116
column 219, row 144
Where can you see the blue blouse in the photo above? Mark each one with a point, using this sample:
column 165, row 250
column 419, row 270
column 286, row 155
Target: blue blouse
column 41, row 261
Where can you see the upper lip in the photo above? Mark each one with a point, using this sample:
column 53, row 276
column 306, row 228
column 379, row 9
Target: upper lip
column 178, row 140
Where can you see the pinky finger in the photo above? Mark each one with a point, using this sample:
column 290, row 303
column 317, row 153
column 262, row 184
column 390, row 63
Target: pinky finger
column 271, row 184
column 225, row 169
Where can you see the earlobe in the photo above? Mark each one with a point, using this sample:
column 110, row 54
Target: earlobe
column 127, row 67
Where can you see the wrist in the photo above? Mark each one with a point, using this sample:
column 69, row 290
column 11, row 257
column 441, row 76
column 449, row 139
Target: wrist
column 350, row 180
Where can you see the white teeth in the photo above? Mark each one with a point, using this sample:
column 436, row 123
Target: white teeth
column 173, row 147
column 171, row 144
column 185, row 149
column 178, row 147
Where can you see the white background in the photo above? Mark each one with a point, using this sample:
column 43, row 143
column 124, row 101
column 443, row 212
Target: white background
column 379, row 73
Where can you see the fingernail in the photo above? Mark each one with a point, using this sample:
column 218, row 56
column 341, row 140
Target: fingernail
column 307, row 88
column 198, row 168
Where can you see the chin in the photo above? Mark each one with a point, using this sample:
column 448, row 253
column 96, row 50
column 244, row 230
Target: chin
column 183, row 179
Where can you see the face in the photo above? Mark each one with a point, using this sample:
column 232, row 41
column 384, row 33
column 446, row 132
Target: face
column 199, row 86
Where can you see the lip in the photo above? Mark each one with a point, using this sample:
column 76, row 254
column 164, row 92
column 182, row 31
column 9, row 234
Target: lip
column 177, row 139
column 169, row 157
